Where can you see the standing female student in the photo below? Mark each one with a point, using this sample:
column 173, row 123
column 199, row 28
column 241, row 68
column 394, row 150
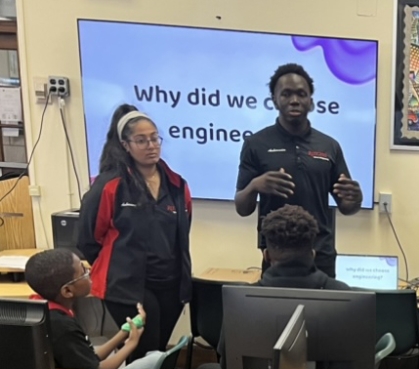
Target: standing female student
column 134, row 230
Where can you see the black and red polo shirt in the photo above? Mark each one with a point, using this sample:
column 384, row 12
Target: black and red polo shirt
column 315, row 161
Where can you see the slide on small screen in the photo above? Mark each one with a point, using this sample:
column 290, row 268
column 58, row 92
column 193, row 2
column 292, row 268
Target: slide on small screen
column 376, row 272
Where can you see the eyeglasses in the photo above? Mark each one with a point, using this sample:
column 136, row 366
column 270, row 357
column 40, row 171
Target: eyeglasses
column 143, row 143
column 86, row 274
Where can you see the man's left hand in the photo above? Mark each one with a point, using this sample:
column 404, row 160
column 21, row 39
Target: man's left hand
column 347, row 189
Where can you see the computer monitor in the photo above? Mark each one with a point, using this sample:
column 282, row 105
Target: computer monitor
column 340, row 324
column 368, row 271
column 290, row 351
column 24, row 335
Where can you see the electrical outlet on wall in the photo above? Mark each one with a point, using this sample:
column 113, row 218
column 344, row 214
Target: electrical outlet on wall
column 59, row 86
column 385, row 202
column 34, row 191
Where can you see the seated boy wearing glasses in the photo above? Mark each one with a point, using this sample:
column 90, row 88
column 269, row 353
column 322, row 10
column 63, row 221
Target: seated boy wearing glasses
column 59, row 277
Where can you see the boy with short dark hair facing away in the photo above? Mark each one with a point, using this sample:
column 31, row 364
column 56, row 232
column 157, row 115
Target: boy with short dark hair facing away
column 59, row 277
column 290, row 233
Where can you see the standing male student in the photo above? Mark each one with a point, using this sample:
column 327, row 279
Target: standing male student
column 292, row 163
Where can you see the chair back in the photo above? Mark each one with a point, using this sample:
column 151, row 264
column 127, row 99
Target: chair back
column 206, row 311
column 95, row 319
column 169, row 359
column 397, row 314
column 384, row 347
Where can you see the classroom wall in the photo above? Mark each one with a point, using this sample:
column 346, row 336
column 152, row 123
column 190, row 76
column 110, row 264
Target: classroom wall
column 220, row 238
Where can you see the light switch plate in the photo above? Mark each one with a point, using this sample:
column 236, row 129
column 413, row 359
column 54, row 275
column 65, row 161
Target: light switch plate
column 40, row 86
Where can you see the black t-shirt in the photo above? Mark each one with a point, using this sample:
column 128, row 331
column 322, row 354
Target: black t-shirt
column 71, row 347
column 315, row 161
column 163, row 268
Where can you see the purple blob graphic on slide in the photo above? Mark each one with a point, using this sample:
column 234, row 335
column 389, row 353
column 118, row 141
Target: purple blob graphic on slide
column 390, row 261
column 351, row 61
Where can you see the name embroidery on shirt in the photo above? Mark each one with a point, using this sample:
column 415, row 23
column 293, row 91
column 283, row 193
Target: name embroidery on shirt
column 318, row 155
column 127, row 204
column 277, row 150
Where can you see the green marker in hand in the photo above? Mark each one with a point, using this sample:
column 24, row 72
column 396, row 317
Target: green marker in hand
column 138, row 321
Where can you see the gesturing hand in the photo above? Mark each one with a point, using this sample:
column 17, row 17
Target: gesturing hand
column 276, row 183
column 347, row 189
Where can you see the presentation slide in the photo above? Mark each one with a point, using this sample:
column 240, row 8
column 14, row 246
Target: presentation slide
column 368, row 271
column 206, row 89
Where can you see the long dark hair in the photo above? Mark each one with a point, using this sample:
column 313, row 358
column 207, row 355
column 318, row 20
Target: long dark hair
column 114, row 156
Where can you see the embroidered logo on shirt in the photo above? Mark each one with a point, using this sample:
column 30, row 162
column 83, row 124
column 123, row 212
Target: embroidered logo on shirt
column 171, row 208
column 277, row 150
column 127, row 204
column 318, row 155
